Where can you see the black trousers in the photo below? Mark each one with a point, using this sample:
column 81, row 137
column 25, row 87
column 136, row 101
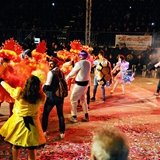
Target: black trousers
column 49, row 104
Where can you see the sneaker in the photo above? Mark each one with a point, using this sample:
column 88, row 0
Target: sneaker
column 85, row 119
column 111, row 92
column 45, row 134
column 62, row 135
column 156, row 94
column 73, row 120
column 93, row 99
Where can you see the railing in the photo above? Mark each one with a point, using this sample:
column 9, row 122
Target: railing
column 99, row 37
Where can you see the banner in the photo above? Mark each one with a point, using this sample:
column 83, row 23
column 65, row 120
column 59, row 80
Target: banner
column 134, row 42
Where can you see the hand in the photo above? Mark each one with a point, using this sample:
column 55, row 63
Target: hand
column 1, row 79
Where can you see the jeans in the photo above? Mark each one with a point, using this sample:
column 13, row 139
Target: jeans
column 158, row 87
column 95, row 88
column 49, row 104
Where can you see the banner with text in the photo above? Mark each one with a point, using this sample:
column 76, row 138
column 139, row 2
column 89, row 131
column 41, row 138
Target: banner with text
column 134, row 42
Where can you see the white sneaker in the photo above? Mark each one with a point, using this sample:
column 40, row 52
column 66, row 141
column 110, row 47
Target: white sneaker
column 73, row 120
column 45, row 134
column 156, row 94
column 62, row 135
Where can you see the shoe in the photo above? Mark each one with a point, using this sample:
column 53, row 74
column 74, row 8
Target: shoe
column 103, row 99
column 123, row 93
column 62, row 135
column 85, row 119
column 93, row 99
column 111, row 92
column 45, row 134
column 73, row 120
column 79, row 106
column 156, row 94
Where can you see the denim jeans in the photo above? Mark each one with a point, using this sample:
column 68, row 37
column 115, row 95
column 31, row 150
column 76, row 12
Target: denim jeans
column 49, row 104
column 95, row 88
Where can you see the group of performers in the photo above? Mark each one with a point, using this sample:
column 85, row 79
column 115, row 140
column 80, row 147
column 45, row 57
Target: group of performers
column 16, row 67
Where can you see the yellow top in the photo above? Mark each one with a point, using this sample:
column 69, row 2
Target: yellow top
column 14, row 130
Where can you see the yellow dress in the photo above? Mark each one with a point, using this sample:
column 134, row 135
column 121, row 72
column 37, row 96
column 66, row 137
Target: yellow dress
column 14, row 130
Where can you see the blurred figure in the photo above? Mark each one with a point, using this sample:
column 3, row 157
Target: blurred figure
column 109, row 144
column 115, row 52
column 122, row 65
column 124, row 50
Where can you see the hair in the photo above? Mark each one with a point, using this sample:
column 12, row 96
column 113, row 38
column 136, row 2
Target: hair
column 109, row 144
column 31, row 90
column 122, row 57
column 101, row 52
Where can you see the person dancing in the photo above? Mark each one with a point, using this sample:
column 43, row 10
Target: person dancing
column 82, row 71
column 122, row 65
column 23, row 129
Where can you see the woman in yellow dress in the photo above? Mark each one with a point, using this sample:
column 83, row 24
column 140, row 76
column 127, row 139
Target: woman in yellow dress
column 23, row 128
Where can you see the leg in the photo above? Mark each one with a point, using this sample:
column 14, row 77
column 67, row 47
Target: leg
column 15, row 153
column 10, row 109
column 32, row 154
column 115, row 85
column 47, row 109
column 88, row 95
column 95, row 88
column 122, row 85
column 158, row 87
column 59, row 107
column 103, row 93
column 84, row 105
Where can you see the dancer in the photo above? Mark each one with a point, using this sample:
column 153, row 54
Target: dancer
column 158, row 85
column 103, row 74
column 109, row 144
column 23, row 128
column 82, row 71
column 52, row 100
column 122, row 65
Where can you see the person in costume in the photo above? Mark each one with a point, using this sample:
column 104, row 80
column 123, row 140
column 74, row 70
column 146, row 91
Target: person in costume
column 123, row 76
column 23, row 129
column 82, row 71
column 102, row 75
column 9, row 54
column 52, row 100
column 157, row 65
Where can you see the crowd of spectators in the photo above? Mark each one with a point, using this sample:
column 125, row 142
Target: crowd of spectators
column 107, row 15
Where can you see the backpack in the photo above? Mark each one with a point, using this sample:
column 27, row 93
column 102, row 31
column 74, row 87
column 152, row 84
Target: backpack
column 62, row 89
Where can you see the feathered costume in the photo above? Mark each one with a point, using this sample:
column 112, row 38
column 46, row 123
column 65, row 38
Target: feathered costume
column 10, row 54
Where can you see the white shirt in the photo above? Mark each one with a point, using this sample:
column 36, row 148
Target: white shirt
column 82, row 71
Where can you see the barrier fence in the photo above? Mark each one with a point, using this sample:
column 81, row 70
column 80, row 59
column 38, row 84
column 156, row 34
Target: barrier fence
column 99, row 37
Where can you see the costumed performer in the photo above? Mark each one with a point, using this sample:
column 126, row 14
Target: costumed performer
column 124, row 75
column 82, row 71
column 157, row 65
column 102, row 75
column 9, row 54
column 23, row 129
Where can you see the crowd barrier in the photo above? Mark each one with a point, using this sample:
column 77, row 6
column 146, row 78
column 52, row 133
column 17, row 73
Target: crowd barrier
column 99, row 37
